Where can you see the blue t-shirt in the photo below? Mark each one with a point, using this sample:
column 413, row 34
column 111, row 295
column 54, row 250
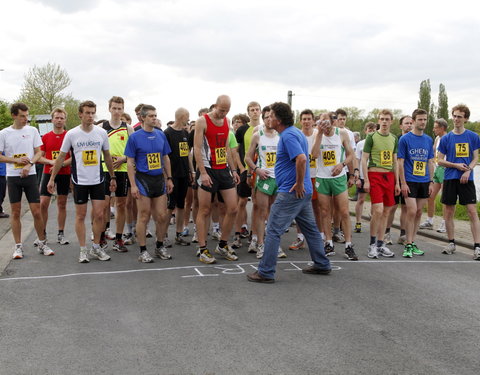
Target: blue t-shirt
column 416, row 150
column 3, row 168
column 148, row 149
column 291, row 144
column 458, row 148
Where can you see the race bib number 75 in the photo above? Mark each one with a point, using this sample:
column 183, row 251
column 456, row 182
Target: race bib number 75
column 461, row 150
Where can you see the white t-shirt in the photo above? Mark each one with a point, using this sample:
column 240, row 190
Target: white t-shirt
column 86, row 150
column 358, row 155
column 312, row 162
column 17, row 143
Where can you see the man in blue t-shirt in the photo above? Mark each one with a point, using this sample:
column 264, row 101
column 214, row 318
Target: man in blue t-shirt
column 150, row 175
column 415, row 166
column 293, row 199
column 458, row 153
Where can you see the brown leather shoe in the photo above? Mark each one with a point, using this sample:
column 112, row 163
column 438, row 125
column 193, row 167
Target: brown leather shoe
column 257, row 278
column 312, row 270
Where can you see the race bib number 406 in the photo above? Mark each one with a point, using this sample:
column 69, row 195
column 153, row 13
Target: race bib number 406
column 329, row 158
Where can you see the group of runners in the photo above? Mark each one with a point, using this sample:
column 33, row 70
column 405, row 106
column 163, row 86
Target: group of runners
column 208, row 170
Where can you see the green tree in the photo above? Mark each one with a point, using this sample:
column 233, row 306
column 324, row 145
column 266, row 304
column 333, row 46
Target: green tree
column 71, row 106
column 424, row 102
column 442, row 111
column 5, row 117
column 43, row 88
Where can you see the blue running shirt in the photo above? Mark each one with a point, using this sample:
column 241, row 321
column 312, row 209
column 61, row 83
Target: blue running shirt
column 416, row 150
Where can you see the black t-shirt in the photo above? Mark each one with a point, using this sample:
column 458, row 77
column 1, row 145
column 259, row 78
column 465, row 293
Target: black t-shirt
column 178, row 140
column 240, row 135
column 191, row 137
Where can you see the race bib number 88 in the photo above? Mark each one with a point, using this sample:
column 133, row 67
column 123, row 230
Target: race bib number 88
column 386, row 158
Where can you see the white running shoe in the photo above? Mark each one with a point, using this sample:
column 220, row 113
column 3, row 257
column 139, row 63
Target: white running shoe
column 441, row 228
column 476, row 253
column 372, row 252
column 260, row 250
column 83, row 257
column 253, row 247
column 426, row 225
column 99, row 253
column 281, row 253
column 449, row 249
column 109, row 235
column 388, row 239
column 62, row 240
column 145, row 257
column 44, row 249
column 18, row 252
column 385, row 252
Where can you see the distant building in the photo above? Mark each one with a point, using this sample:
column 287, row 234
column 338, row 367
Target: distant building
column 44, row 123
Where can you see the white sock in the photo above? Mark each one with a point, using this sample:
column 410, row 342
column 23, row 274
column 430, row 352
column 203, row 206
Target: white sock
column 245, row 226
column 330, row 242
column 430, row 220
column 254, row 237
column 347, row 244
column 322, row 235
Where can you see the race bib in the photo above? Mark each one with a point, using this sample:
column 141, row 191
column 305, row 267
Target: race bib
column 313, row 162
column 271, row 159
column 55, row 155
column 461, row 150
column 18, row 165
column 183, row 148
column 89, row 158
column 221, row 155
column 153, row 160
column 386, row 158
column 329, row 158
column 419, row 168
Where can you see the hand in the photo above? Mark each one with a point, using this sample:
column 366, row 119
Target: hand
column 117, row 162
column 25, row 171
column 135, row 192
column 430, row 189
column 299, row 190
column 262, row 174
column 337, row 169
column 405, row 190
column 358, row 182
column 51, row 162
column 205, row 180
column 465, row 176
column 351, row 180
column 366, row 186
column 23, row 160
column 397, row 189
column 51, row 186
column 236, row 177
column 462, row 166
column 169, row 186
column 113, row 185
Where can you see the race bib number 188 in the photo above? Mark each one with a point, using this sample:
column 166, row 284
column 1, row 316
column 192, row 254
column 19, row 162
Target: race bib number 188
column 221, row 155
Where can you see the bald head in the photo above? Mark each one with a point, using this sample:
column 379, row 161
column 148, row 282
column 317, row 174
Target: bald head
column 222, row 107
column 181, row 114
column 223, row 100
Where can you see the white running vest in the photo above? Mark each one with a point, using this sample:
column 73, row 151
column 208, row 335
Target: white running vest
column 267, row 152
column 332, row 153
column 313, row 162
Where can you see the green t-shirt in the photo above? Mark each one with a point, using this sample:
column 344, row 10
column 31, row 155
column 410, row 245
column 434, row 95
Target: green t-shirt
column 232, row 141
column 381, row 149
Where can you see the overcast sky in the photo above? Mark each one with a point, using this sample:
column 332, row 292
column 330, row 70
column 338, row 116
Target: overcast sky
column 172, row 53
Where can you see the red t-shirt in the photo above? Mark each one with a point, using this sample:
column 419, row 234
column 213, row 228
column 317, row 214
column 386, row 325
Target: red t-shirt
column 51, row 146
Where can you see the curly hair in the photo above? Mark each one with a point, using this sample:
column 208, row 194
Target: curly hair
column 283, row 112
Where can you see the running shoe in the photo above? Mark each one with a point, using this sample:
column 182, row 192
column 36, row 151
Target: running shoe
column 402, row 240
column 62, row 240
column 37, row 242
column 385, row 252
column 180, row 241
column 408, row 251
column 119, row 246
column 281, row 253
column 167, row 242
column 145, row 257
column 226, row 252
column 252, row 248
column 104, row 245
column 260, row 250
column 426, row 225
column 18, row 252
column 416, row 250
column 185, row 232
column 99, row 253
column 216, row 235
column 206, row 257
column 237, row 242
column 298, row 244
column 350, row 253
column 244, row 233
column 195, row 237
column 358, row 228
column 441, row 228
column 109, row 235
column 172, row 220
column 476, row 253
column 128, row 239
column 329, row 249
column 449, row 249
column 83, row 257
column 388, row 239
column 372, row 252
column 162, row 253
column 44, row 249
column 338, row 237
column 149, row 234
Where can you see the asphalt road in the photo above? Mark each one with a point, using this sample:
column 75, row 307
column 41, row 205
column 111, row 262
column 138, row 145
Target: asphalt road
column 388, row 316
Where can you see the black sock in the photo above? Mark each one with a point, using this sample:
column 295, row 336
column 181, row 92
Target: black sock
column 452, row 241
column 222, row 243
column 102, row 236
column 178, row 234
column 475, row 245
column 203, row 248
column 402, row 232
column 60, row 232
column 107, row 226
column 118, row 236
column 143, row 248
column 379, row 243
column 237, row 233
column 373, row 240
column 159, row 244
column 387, row 230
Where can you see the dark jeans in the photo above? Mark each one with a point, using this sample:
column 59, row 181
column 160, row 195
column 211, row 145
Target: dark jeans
column 3, row 190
